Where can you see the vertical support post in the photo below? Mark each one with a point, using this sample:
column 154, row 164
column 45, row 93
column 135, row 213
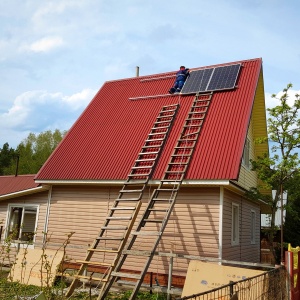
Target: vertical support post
column 290, row 277
column 151, row 279
column 170, row 276
column 281, row 231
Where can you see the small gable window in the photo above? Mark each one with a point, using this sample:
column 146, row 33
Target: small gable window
column 246, row 154
column 235, row 225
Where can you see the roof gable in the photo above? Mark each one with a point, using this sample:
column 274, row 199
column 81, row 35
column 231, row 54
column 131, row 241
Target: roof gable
column 106, row 139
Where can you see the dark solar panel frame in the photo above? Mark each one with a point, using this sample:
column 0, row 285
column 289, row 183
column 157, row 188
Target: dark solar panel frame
column 224, row 78
column 197, row 81
column 211, row 79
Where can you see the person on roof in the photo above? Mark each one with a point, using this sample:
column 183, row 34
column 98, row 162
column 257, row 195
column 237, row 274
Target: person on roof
column 181, row 77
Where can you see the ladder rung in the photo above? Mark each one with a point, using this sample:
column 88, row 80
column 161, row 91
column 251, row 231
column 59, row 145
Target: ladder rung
column 131, row 191
column 177, row 163
column 118, row 218
column 145, row 159
column 103, row 250
column 175, row 172
column 85, row 262
column 155, row 140
column 160, row 127
column 162, row 199
column 114, row 227
column 153, row 220
column 109, row 238
column 138, row 175
column 180, row 155
column 90, row 278
column 123, row 208
column 126, row 275
column 142, row 167
column 161, row 122
column 146, row 233
column 156, row 133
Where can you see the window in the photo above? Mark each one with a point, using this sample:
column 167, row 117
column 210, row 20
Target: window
column 246, row 154
column 235, row 230
column 22, row 221
column 253, row 219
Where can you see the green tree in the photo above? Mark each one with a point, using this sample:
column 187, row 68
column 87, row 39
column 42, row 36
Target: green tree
column 34, row 151
column 277, row 169
column 6, row 157
column 291, row 226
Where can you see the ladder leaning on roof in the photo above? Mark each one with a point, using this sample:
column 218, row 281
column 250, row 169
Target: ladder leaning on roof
column 122, row 215
column 162, row 201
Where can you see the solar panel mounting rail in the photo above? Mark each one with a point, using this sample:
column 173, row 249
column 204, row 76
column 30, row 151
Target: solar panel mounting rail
column 121, row 217
column 162, row 201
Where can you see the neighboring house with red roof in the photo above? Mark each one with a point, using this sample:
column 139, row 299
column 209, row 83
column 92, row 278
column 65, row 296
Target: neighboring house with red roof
column 23, row 208
column 211, row 217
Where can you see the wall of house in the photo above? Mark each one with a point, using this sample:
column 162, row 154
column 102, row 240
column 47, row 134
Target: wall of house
column 39, row 199
column 248, row 178
column 245, row 250
column 192, row 229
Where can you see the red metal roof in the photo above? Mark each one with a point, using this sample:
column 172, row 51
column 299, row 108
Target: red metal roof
column 13, row 184
column 106, row 139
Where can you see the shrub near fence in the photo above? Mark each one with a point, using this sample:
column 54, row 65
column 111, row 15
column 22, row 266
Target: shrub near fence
column 270, row 285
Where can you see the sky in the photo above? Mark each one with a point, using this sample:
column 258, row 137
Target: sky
column 55, row 55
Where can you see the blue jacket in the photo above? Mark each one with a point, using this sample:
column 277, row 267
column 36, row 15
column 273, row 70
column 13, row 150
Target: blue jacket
column 181, row 75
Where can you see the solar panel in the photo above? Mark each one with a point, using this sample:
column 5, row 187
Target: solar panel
column 197, row 81
column 224, row 78
column 211, row 79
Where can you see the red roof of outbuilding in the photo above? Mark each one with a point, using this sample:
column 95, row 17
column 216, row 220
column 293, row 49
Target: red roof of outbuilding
column 106, row 139
column 14, row 184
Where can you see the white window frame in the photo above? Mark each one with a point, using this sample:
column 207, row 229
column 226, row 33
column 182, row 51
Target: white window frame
column 20, row 243
column 246, row 154
column 252, row 226
column 235, row 224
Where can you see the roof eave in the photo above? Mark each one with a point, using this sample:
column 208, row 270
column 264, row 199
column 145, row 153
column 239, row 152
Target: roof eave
column 25, row 192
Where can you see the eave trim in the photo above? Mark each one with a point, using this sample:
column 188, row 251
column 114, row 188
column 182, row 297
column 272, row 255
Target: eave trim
column 25, row 192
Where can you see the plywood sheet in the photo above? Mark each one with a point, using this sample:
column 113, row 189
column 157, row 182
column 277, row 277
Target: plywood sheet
column 203, row 276
column 33, row 266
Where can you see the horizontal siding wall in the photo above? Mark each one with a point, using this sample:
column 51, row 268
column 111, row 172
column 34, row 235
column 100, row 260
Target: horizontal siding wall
column 245, row 250
column 192, row 229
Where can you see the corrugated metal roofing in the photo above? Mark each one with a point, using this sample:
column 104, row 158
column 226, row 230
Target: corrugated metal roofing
column 106, row 139
column 14, row 184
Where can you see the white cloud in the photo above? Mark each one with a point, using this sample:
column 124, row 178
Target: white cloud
column 37, row 111
column 44, row 45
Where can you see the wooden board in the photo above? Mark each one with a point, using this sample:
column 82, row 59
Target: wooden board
column 203, row 276
column 33, row 266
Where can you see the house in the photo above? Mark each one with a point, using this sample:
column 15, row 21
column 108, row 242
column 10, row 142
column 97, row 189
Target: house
column 23, row 210
column 211, row 218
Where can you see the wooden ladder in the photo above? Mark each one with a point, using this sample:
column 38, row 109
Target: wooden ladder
column 162, row 201
column 107, row 247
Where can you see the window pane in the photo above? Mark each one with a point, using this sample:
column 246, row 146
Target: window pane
column 22, row 222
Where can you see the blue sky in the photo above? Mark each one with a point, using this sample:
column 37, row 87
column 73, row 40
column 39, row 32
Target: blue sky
column 55, row 55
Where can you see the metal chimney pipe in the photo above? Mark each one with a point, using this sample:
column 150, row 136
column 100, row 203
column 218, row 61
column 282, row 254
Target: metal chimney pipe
column 137, row 71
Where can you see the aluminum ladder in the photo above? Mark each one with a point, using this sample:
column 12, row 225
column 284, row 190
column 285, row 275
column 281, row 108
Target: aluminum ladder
column 162, row 201
column 107, row 247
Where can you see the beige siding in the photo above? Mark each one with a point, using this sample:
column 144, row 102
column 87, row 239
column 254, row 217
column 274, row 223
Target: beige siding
column 192, row 229
column 245, row 250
